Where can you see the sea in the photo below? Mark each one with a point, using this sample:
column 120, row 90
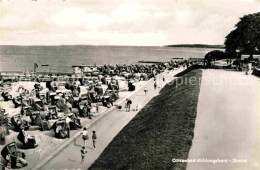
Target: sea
column 61, row 58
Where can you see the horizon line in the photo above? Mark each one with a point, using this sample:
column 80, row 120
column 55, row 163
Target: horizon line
column 109, row 45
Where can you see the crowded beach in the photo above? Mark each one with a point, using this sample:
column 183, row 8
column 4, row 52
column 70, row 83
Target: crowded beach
column 58, row 105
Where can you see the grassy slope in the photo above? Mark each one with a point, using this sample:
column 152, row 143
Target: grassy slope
column 161, row 131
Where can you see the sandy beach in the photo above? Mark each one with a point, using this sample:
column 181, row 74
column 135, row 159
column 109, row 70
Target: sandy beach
column 46, row 140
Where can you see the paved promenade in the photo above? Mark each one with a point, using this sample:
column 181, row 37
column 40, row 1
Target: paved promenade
column 227, row 126
column 106, row 128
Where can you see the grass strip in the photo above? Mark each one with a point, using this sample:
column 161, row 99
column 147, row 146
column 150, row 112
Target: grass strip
column 161, row 131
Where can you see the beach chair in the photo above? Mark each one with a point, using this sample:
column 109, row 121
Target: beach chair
column 6, row 96
column 61, row 129
column 37, row 104
column 30, row 143
column 84, row 109
column 26, row 111
column 113, row 94
column 13, row 156
column 3, row 118
column 73, row 101
column 99, row 90
column 94, row 97
column 26, row 102
column 52, row 98
column 16, row 102
column 113, row 86
column 26, row 107
column 84, row 97
column 38, row 120
column 106, row 101
column 52, row 112
column 19, row 124
column 67, row 93
column 75, row 122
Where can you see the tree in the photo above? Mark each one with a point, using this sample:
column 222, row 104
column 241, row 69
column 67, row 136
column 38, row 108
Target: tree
column 246, row 35
column 215, row 55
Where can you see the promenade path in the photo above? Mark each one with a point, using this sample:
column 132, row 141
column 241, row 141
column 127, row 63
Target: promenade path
column 227, row 126
column 106, row 129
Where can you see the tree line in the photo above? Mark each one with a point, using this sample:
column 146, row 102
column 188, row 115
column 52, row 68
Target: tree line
column 244, row 39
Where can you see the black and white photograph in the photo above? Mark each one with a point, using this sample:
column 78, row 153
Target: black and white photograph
column 130, row 84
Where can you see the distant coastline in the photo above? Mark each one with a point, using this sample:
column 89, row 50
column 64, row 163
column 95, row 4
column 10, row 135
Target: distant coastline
column 82, row 45
column 196, row 46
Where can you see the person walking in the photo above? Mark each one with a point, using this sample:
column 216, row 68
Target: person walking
column 137, row 107
column 155, row 85
column 163, row 79
column 145, row 90
column 94, row 139
column 129, row 102
column 97, row 108
column 83, row 152
column 85, row 135
column 126, row 104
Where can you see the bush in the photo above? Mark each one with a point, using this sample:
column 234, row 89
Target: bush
column 216, row 55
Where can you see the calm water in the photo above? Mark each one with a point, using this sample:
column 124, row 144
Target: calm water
column 61, row 58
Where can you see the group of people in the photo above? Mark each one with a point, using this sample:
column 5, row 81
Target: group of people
column 128, row 103
column 85, row 137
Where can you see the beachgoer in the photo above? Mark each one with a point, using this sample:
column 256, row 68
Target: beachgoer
column 94, row 139
column 129, row 102
column 75, row 92
column 77, row 83
column 155, row 85
column 145, row 90
column 97, row 108
column 136, row 108
column 68, row 120
column 111, row 101
column 163, row 79
column 83, row 152
column 61, row 103
column 126, row 106
column 38, row 80
column 54, row 85
column 84, row 111
column 85, row 135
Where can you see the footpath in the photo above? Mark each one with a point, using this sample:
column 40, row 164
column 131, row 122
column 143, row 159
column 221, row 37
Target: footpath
column 227, row 127
column 106, row 126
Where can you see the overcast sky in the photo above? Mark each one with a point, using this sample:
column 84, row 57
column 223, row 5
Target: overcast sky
column 120, row 22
